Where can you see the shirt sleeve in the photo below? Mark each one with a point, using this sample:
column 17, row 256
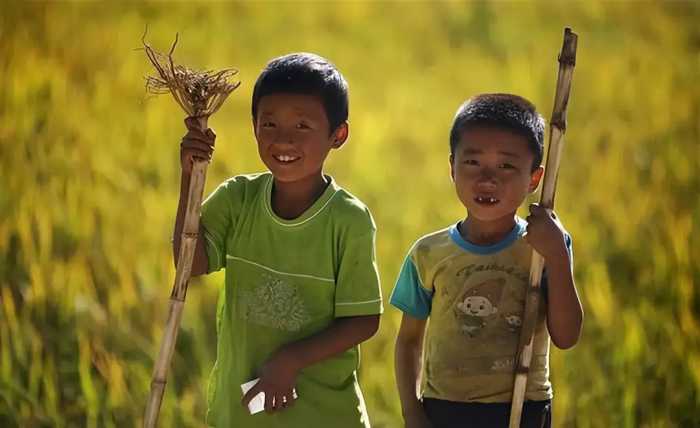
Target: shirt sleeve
column 358, row 290
column 216, row 218
column 409, row 295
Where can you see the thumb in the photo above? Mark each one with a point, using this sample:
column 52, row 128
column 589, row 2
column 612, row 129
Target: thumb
column 192, row 123
column 211, row 135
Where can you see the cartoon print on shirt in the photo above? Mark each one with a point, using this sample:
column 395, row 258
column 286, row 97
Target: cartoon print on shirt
column 478, row 305
column 513, row 321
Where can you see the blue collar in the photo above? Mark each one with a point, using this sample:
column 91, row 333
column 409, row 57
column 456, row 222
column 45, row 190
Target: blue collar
column 515, row 233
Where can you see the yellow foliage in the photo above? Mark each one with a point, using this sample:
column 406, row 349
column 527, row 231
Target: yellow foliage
column 89, row 181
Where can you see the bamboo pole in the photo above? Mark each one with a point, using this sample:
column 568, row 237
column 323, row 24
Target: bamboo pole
column 567, row 61
column 200, row 94
column 188, row 243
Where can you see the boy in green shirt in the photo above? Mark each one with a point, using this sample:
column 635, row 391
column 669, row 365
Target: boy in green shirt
column 470, row 280
column 301, row 289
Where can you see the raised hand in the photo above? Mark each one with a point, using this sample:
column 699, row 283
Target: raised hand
column 197, row 143
column 545, row 233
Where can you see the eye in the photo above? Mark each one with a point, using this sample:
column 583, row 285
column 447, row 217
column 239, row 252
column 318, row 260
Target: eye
column 302, row 125
column 471, row 162
column 507, row 165
column 267, row 125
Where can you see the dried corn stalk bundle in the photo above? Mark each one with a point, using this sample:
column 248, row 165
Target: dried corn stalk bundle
column 199, row 93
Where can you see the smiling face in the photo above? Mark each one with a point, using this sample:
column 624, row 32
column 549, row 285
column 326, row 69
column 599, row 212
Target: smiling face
column 492, row 172
column 294, row 137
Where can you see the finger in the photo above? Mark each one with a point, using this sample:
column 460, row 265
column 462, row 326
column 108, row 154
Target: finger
column 197, row 135
column 198, row 154
column 195, row 147
column 192, row 123
column 290, row 399
column 211, row 135
column 190, row 143
column 537, row 209
column 269, row 401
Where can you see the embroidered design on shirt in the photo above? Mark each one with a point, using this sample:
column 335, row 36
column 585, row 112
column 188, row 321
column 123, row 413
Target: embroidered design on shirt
column 275, row 303
column 477, row 306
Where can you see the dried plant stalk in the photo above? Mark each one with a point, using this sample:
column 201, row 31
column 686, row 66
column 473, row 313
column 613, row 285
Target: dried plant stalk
column 200, row 94
column 567, row 61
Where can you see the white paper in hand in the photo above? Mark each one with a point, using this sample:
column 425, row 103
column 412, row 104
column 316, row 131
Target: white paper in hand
column 257, row 404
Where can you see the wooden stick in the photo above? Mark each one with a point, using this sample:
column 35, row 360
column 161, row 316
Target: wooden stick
column 567, row 61
column 190, row 232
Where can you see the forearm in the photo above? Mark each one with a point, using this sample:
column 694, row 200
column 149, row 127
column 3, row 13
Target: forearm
column 199, row 260
column 564, row 311
column 408, row 363
column 341, row 335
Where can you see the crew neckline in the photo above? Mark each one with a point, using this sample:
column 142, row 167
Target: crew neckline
column 516, row 232
column 311, row 212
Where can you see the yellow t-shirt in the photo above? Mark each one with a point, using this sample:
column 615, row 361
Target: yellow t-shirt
column 474, row 297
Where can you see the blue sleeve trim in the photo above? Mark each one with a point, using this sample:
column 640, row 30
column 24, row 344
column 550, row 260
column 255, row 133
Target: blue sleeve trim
column 409, row 295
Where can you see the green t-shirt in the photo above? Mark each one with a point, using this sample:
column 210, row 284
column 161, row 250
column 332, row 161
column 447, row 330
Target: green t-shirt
column 287, row 280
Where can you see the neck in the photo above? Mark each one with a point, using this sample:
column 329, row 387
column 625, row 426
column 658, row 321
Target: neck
column 480, row 232
column 291, row 199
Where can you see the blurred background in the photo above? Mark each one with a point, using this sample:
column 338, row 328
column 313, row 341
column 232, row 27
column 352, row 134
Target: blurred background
column 89, row 179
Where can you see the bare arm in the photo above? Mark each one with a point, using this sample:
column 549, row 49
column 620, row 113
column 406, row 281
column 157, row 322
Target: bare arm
column 195, row 144
column 278, row 374
column 200, row 263
column 564, row 310
column 408, row 362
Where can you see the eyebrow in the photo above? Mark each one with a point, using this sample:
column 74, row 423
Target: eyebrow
column 299, row 112
column 471, row 151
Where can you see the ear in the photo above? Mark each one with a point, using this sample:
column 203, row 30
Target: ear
column 452, row 168
column 535, row 178
column 340, row 135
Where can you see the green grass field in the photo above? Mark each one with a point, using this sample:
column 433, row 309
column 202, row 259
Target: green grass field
column 89, row 179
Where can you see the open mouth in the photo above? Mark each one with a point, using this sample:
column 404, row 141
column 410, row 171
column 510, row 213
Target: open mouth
column 486, row 200
column 286, row 159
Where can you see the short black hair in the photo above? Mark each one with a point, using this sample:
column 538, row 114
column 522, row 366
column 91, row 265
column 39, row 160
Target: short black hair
column 308, row 74
column 501, row 111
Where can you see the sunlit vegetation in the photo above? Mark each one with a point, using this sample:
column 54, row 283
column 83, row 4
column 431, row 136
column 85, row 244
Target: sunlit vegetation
column 89, row 181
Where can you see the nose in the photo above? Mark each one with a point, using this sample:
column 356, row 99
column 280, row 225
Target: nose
column 486, row 180
column 284, row 137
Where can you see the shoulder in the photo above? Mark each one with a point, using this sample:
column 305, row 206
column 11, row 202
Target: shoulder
column 243, row 181
column 350, row 212
column 240, row 187
column 426, row 244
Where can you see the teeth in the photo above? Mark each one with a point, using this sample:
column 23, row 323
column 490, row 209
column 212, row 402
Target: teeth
column 286, row 158
column 488, row 199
